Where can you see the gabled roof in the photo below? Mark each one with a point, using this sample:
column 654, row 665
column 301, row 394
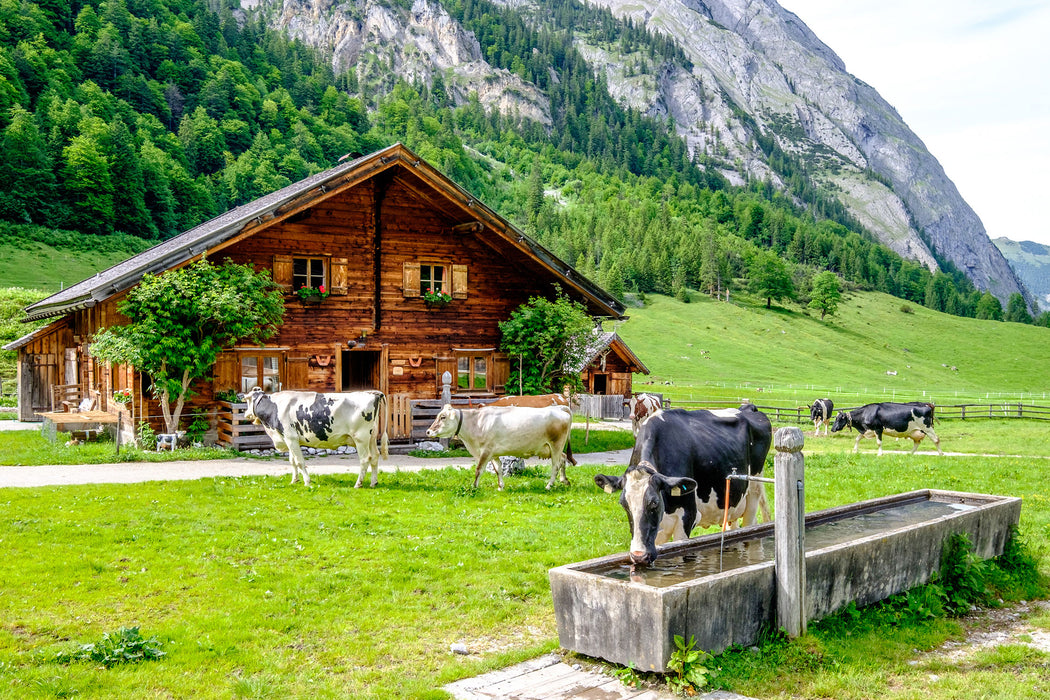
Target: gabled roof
column 226, row 229
column 601, row 342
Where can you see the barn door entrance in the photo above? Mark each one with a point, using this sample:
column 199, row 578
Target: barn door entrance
column 600, row 384
column 361, row 370
column 41, row 371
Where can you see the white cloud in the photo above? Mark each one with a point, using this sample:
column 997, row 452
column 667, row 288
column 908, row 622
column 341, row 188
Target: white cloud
column 971, row 79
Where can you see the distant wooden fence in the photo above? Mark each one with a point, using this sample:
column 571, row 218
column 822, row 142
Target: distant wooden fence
column 600, row 406
column 967, row 411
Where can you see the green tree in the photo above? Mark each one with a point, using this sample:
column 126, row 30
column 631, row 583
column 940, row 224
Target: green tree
column 1017, row 309
column 89, row 186
column 989, row 307
column 550, row 340
column 770, row 278
column 27, row 185
column 182, row 319
column 826, row 293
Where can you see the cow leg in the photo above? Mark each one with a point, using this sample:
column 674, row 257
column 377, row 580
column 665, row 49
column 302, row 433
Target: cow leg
column 936, row 440
column 557, row 467
column 878, row 439
column 295, row 456
column 754, row 499
column 483, row 460
column 367, row 453
column 856, row 443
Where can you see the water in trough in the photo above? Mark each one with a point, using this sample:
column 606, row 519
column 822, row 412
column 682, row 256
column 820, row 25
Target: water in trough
column 697, row 563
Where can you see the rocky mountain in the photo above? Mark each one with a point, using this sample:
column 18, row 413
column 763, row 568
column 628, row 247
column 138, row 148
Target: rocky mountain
column 1031, row 262
column 759, row 95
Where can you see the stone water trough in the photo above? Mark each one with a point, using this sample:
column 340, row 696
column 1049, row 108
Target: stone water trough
column 860, row 553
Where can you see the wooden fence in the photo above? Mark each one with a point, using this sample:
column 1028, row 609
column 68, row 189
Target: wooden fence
column 600, row 406
column 968, row 411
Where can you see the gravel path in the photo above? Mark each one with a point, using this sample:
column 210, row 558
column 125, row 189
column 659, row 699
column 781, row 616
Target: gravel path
column 134, row 472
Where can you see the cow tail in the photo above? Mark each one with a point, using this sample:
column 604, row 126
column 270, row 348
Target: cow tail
column 385, row 441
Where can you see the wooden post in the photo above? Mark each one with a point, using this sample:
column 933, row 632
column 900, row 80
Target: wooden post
column 446, row 397
column 789, row 528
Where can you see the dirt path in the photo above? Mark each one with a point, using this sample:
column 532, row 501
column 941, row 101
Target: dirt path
column 135, row 472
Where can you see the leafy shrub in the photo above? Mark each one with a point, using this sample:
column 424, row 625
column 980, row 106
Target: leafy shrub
column 686, row 663
column 195, row 431
column 905, row 309
column 147, row 436
column 126, row 646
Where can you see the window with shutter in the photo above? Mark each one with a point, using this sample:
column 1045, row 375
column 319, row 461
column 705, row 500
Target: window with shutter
column 410, row 283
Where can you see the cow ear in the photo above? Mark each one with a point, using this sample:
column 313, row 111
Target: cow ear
column 678, row 486
column 609, row 483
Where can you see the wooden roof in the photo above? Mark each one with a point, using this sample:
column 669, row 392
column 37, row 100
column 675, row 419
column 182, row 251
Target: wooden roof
column 460, row 207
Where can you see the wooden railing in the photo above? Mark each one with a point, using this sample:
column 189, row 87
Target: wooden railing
column 970, row 411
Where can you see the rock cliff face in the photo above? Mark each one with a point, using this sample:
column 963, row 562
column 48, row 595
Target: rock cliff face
column 757, row 70
column 382, row 42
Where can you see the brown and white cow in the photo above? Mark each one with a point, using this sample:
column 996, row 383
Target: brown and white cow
column 539, row 401
column 513, row 431
column 642, row 406
column 296, row 418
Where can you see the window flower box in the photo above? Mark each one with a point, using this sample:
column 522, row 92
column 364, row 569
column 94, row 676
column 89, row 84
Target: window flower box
column 312, row 295
column 436, row 300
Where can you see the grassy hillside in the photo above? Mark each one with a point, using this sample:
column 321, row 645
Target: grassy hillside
column 34, row 264
column 710, row 350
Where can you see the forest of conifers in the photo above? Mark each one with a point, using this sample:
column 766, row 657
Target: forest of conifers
column 147, row 117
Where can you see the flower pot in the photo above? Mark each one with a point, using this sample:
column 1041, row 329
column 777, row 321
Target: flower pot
column 312, row 300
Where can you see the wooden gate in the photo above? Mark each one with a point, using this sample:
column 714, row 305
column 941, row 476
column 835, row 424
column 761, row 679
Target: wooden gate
column 400, row 417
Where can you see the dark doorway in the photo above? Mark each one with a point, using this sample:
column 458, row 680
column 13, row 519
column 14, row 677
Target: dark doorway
column 601, row 384
column 360, row 370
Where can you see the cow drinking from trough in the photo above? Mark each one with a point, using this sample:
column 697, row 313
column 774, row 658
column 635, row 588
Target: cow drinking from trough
column 676, row 480
column 512, row 431
column 913, row 420
column 293, row 419
column 821, row 413
column 539, row 401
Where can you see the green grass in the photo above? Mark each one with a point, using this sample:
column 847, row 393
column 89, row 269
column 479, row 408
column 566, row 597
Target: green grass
column 30, row 447
column 708, row 350
column 256, row 588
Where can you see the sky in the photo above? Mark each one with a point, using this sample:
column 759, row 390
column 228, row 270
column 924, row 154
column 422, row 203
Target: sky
column 972, row 79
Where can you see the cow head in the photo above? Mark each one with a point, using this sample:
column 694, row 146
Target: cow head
column 447, row 423
column 644, row 495
column 842, row 420
column 251, row 398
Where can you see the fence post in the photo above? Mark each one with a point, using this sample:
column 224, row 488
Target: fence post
column 789, row 507
column 446, row 397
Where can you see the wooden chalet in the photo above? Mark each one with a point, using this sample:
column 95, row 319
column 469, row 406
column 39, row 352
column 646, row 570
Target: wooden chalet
column 608, row 366
column 377, row 232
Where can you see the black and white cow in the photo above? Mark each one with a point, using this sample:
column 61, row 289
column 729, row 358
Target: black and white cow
column 913, row 420
column 296, row 418
column 821, row 413
column 676, row 480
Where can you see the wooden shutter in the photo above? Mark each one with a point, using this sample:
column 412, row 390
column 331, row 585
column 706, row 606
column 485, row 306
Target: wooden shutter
column 411, row 279
column 227, row 369
column 459, row 281
column 296, row 373
column 500, row 372
column 337, row 276
column 282, row 271
column 445, row 364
